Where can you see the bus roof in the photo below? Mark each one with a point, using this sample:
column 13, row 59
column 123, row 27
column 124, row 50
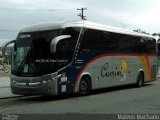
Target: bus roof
column 80, row 23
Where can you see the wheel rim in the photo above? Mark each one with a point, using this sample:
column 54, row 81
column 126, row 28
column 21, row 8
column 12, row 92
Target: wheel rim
column 83, row 86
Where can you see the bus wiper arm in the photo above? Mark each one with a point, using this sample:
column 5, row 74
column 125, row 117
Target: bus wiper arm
column 24, row 61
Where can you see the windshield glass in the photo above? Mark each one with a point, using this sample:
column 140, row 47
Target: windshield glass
column 32, row 56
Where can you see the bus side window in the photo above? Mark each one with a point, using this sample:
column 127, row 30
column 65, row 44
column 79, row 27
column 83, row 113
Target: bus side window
column 151, row 46
column 143, row 45
column 85, row 45
column 91, row 41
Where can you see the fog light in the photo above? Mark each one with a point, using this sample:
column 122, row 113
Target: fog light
column 44, row 82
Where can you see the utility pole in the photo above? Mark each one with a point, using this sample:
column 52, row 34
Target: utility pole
column 81, row 14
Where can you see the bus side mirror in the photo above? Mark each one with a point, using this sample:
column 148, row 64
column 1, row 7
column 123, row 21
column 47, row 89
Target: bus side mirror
column 56, row 40
column 4, row 48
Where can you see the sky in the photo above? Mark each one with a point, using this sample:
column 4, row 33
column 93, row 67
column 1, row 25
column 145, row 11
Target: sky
column 128, row 14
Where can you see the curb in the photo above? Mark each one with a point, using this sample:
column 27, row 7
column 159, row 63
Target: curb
column 9, row 97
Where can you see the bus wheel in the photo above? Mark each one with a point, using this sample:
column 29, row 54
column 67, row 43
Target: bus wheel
column 140, row 80
column 85, row 86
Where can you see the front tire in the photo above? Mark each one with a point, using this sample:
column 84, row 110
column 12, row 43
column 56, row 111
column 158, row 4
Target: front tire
column 84, row 86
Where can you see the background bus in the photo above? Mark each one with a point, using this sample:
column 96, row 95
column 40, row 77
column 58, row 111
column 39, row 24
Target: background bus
column 79, row 56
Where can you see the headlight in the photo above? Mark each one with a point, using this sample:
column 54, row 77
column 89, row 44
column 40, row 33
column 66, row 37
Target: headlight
column 46, row 81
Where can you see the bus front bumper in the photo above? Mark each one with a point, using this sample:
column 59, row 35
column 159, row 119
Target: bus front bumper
column 33, row 86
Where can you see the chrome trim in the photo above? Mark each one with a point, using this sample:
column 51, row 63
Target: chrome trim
column 19, row 83
column 37, row 83
column 24, row 84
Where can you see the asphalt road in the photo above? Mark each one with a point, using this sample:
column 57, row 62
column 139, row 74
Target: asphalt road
column 119, row 100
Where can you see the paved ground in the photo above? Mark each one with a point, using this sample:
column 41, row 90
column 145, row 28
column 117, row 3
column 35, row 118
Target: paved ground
column 5, row 84
column 5, row 91
column 2, row 73
column 119, row 100
column 114, row 100
column 4, row 87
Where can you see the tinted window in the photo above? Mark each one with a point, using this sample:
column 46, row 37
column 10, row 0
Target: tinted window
column 92, row 40
column 116, row 42
column 148, row 45
column 128, row 43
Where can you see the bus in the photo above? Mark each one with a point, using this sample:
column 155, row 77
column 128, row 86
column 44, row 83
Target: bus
column 79, row 56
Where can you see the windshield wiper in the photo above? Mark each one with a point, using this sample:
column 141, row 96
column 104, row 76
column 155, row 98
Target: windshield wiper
column 23, row 62
column 26, row 60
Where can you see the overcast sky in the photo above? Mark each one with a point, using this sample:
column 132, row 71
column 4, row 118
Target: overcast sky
column 131, row 14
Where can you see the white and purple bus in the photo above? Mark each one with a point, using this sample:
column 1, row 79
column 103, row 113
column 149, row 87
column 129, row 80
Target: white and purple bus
column 79, row 56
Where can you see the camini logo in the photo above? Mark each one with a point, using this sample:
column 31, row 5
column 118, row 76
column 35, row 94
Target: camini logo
column 120, row 72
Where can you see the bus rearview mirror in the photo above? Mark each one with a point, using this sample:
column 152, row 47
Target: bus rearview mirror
column 4, row 48
column 56, row 40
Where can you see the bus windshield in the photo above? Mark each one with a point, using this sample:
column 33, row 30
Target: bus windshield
column 32, row 56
